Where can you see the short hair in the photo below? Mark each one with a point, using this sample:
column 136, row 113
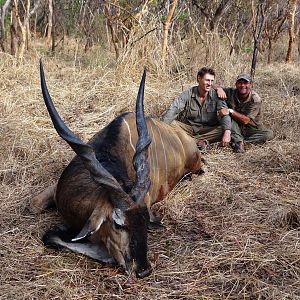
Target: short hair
column 205, row 70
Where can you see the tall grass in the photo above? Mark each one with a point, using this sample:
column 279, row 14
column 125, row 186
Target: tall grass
column 232, row 233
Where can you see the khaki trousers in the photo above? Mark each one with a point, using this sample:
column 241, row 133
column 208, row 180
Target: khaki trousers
column 250, row 133
column 211, row 134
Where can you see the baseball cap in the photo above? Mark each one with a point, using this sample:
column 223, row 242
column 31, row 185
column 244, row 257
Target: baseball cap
column 244, row 76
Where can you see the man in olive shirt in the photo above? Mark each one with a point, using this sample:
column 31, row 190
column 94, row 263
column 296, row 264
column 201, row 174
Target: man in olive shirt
column 196, row 111
column 244, row 107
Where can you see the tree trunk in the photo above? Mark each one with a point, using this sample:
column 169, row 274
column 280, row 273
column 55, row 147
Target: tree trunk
column 53, row 31
column 167, row 26
column 257, row 34
column 113, row 34
column 3, row 10
column 2, row 31
column 292, row 35
column 14, row 30
column 50, row 23
column 20, row 27
column 113, row 38
column 299, row 44
column 24, row 27
column 270, row 49
column 221, row 10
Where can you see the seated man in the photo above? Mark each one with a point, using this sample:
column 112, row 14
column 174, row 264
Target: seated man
column 244, row 107
column 196, row 111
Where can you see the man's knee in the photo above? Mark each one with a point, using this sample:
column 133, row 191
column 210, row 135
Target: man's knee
column 266, row 135
column 269, row 135
column 236, row 132
column 260, row 137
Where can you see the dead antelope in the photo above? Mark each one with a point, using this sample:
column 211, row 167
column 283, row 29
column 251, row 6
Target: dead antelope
column 102, row 193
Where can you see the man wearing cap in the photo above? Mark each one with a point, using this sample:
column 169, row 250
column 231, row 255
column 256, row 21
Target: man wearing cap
column 244, row 107
column 196, row 111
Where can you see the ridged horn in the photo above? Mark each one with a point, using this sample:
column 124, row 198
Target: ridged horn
column 140, row 159
column 100, row 175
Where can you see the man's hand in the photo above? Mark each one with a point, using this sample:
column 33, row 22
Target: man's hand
column 221, row 94
column 240, row 118
column 226, row 138
column 223, row 112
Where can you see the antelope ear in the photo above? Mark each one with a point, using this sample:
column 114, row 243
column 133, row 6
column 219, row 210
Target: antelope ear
column 92, row 225
column 118, row 217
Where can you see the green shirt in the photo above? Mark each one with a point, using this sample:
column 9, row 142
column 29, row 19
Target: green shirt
column 250, row 107
column 187, row 109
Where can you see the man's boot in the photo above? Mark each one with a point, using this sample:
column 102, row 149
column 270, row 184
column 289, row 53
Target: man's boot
column 239, row 147
column 203, row 145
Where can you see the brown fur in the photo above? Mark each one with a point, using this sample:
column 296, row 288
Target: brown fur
column 172, row 154
column 87, row 206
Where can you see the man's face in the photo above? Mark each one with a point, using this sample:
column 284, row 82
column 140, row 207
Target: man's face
column 243, row 87
column 205, row 82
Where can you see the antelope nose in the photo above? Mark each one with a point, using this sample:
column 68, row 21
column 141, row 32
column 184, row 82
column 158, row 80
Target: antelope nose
column 143, row 273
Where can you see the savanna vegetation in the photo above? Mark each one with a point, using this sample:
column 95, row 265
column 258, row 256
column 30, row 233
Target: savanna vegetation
column 232, row 233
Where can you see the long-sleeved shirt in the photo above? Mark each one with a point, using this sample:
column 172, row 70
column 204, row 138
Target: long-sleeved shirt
column 250, row 107
column 187, row 109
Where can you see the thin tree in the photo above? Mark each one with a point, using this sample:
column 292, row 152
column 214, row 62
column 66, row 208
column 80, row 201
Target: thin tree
column 121, row 18
column 293, row 30
column 23, row 27
column 274, row 26
column 3, row 10
column 50, row 23
column 220, row 11
column 14, row 29
column 112, row 16
column 167, row 26
column 299, row 43
column 258, row 26
column 20, row 27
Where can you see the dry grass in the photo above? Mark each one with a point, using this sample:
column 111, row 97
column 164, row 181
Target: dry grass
column 232, row 233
